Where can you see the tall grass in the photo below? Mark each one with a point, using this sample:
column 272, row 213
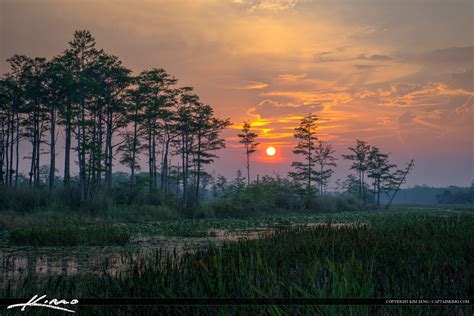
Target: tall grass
column 28, row 200
column 408, row 255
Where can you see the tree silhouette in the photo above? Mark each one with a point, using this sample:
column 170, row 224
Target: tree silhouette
column 380, row 170
column 360, row 157
column 248, row 139
column 206, row 130
column 305, row 171
column 324, row 158
column 92, row 98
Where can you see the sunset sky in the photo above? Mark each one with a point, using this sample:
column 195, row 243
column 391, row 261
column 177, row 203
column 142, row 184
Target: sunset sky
column 398, row 74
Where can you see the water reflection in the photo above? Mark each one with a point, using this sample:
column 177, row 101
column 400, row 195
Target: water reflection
column 19, row 262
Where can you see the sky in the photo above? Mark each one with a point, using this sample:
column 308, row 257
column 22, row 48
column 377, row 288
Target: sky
column 398, row 74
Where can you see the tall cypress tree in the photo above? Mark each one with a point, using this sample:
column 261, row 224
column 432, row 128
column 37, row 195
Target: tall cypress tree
column 324, row 158
column 248, row 139
column 305, row 171
column 359, row 155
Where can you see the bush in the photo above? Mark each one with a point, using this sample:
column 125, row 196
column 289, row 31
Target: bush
column 270, row 196
column 101, row 202
column 205, row 211
column 69, row 198
column 125, row 194
column 23, row 200
column 349, row 204
column 140, row 213
column 329, row 203
column 276, row 195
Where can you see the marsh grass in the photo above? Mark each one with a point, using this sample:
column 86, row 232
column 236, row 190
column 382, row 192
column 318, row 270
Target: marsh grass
column 415, row 255
column 69, row 236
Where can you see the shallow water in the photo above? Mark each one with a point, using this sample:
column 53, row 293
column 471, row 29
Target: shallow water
column 18, row 262
column 43, row 262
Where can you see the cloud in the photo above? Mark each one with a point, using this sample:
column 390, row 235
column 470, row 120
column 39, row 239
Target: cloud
column 289, row 77
column 253, row 85
column 452, row 55
column 273, row 109
column 440, row 58
column 375, row 57
column 414, row 95
column 466, row 108
column 462, row 80
column 341, row 56
column 325, row 98
column 363, row 94
column 367, row 66
column 268, row 5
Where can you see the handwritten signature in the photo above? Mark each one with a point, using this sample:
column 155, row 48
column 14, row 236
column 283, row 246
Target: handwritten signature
column 40, row 301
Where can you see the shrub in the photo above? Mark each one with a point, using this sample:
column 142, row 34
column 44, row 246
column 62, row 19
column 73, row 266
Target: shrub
column 140, row 213
column 275, row 195
column 23, row 200
column 101, row 202
column 329, row 203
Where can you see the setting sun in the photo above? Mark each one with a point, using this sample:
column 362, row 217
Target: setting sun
column 271, row 151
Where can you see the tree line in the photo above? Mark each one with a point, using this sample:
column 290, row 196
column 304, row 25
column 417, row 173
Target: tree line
column 103, row 110
column 316, row 167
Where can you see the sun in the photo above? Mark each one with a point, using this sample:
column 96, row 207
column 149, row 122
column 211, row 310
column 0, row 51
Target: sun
column 271, row 151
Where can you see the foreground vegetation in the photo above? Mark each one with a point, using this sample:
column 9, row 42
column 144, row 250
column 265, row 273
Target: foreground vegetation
column 415, row 254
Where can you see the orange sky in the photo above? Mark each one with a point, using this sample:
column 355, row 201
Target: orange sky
column 398, row 74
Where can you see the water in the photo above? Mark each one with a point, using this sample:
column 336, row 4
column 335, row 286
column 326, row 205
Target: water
column 43, row 262
column 18, row 262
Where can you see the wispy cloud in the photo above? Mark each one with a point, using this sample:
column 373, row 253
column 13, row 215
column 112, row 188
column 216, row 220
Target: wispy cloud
column 253, row 85
column 269, row 5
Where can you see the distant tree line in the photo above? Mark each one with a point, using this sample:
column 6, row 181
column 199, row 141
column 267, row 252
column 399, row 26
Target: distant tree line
column 103, row 110
column 455, row 195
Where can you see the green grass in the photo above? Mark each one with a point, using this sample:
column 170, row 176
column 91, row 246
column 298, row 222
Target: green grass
column 415, row 254
column 69, row 236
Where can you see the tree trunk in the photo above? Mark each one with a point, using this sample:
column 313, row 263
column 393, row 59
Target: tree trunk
column 33, row 156
column 184, row 166
column 52, row 148
column 5, row 150
column 92, row 171
column 99, row 151
column 17, row 156
column 248, row 164
column 67, row 158
column 154, row 159
column 309, row 163
column 407, row 170
column 378, row 193
column 12, row 142
column 2, row 154
column 81, row 154
column 134, row 149
column 108, row 143
column 38, row 155
column 198, row 175
column 150, row 159
column 79, row 150
column 164, row 171
column 363, row 187
column 321, row 180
